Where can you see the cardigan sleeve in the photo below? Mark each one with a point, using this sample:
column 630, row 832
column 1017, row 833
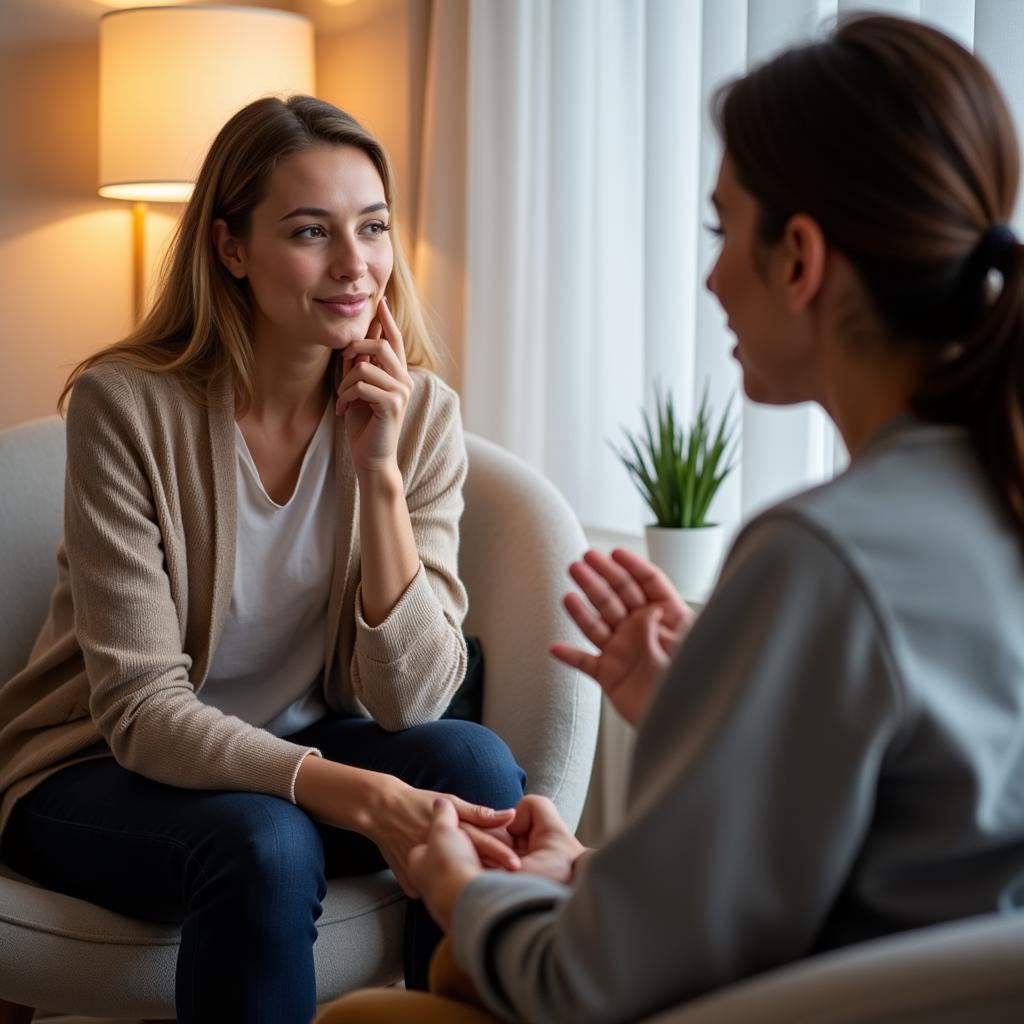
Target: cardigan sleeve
column 127, row 623
column 406, row 669
column 753, row 789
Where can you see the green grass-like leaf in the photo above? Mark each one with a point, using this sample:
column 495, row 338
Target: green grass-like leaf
column 678, row 475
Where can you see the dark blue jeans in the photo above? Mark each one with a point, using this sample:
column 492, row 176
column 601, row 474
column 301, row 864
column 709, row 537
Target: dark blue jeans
column 243, row 873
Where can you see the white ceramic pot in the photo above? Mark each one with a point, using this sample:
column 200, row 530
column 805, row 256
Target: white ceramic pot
column 690, row 558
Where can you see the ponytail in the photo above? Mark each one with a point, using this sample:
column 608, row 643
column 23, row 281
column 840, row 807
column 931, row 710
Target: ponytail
column 980, row 383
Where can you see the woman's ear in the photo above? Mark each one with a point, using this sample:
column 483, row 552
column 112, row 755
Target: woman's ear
column 803, row 249
column 229, row 249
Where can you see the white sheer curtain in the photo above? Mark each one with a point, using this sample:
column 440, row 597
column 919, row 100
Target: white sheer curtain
column 590, row 157
column 555, row 239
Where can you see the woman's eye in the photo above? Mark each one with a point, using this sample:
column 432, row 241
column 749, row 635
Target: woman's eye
column 377, row 227
column 313, row 231
column 715, row 229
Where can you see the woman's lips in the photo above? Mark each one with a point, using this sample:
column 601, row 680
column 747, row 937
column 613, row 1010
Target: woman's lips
column 345, row 305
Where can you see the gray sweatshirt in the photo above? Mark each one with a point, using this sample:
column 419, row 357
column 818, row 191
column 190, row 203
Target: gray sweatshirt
column 836, row 753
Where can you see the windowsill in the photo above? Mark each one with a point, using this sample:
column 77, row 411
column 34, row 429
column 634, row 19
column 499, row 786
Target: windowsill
column 607, row 540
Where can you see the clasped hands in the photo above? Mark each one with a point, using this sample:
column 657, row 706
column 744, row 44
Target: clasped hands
column 635, row 618
column 538, row 840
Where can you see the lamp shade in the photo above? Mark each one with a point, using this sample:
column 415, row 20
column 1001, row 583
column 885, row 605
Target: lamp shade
column 171, row 76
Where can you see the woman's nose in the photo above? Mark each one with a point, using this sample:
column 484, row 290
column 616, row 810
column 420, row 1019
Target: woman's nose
column 348, row 261
column 709, row 281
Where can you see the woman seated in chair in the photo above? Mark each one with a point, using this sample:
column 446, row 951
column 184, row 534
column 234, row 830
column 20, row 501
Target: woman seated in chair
column 833, row 750
column 258, row 609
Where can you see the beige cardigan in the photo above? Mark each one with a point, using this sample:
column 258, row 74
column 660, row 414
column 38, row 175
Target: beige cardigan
column 145, row 575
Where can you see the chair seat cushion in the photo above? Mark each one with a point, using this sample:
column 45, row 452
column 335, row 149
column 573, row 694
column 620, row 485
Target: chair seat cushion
column 71, row 956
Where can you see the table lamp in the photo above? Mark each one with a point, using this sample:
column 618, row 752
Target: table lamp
column 170, row 77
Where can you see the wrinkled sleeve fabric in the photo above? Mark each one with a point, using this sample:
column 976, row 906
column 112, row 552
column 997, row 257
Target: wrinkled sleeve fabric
column 127, row 624
column 406, row 669
column 752, row 790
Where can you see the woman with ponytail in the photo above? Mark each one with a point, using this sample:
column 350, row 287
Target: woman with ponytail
column 833, row 750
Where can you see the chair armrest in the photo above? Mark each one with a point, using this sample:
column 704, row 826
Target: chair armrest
column 518, row 537
column 964, row 972
column 31, row 524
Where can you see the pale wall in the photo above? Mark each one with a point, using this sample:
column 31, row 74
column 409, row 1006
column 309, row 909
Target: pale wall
column 65, row 254
column 371, row 62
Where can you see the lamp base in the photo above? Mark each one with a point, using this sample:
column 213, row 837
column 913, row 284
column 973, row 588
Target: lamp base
column 138, row 261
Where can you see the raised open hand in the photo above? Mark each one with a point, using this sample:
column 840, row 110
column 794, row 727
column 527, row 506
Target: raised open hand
column 635, row 619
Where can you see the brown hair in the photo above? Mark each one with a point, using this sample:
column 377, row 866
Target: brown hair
column 200, row 323
column 897, row 141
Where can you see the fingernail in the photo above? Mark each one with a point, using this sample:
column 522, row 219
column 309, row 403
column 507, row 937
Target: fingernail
column 384, row 299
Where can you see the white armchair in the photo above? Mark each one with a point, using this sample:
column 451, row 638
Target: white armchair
column 964, row 972
column 518, row 536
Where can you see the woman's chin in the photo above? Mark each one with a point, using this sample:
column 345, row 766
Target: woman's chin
column 341, row 338
column 762, row 393
column 758, row 390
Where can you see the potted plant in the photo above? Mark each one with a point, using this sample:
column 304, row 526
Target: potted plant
column 678, row 476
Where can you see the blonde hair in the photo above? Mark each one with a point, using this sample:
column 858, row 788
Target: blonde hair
column 201, row 321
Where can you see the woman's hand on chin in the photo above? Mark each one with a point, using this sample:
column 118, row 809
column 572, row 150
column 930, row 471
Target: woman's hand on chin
column 374, row 394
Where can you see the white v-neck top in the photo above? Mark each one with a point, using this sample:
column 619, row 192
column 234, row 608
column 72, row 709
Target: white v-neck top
column 267, row 668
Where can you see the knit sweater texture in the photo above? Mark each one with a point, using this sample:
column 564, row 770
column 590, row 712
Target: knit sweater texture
column 145, row 575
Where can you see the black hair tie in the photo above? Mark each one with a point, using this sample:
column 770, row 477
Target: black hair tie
column 995, row 245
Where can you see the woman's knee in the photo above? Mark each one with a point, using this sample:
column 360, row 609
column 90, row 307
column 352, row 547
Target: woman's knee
column 264, row 844
column 470, row 761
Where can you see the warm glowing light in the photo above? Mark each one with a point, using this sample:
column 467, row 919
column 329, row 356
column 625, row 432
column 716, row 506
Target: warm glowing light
column 149, row 191
column 171, row 76
column 139, row 3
